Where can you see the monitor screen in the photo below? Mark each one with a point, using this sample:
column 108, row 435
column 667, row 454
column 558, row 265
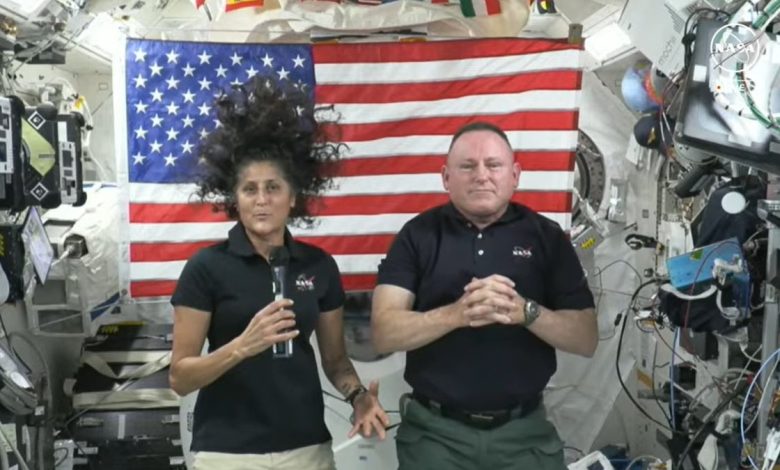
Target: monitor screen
column 38, row 246
column 706, row 124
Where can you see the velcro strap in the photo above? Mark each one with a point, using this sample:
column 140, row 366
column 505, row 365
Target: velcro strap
column 154, row 361
column 118, row 399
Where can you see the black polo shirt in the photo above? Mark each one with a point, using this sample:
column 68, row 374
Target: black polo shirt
column 262, row 404
column 436, row 254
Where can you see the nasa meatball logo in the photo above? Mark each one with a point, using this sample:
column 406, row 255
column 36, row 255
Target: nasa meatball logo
column 734, row 48
column 304, row 283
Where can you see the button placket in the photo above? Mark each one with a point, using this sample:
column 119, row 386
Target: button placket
column 479, row 244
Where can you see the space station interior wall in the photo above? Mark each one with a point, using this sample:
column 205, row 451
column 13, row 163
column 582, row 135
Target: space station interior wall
column 583, row 409
column 583, row 396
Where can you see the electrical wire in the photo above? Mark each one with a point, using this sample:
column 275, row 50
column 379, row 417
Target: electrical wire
column 13, row 351
column 696, row 279
column 772, row 358
column 20, row 460
column 617, row 358
column 652, row 379
column 35, row 349
column 698, row 363
column 4, row 459
column 327, row 393
column 704, row 426
column 602, row 290
column 582, row 454
column 671, row 381
column 82, row 451
column 61, row 460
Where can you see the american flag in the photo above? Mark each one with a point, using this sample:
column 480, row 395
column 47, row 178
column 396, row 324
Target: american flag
column 399, row 104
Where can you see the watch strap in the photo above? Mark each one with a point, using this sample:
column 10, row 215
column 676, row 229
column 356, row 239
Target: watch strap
column 354, row 394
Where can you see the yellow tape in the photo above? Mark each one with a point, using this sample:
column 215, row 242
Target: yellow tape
column 645, row 379
column 42, row 155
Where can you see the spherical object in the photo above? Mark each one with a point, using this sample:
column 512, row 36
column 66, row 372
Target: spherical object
column 639, row 89
column 733, row 202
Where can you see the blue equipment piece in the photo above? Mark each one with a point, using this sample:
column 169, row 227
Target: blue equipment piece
column 721, row 263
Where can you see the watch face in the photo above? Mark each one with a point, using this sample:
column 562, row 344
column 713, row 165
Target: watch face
column 531, row 310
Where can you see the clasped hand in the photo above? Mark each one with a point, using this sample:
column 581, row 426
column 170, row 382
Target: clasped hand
column 489, row 300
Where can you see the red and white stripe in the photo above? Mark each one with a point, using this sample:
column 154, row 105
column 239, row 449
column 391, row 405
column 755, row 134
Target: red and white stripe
column 399, row 104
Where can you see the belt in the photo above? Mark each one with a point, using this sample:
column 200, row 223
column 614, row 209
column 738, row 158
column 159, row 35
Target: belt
column 480, row 419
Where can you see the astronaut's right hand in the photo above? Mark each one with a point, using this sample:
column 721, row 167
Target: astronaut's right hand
column 272, row 324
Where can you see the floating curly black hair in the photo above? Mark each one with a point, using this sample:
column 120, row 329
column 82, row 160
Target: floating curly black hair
column 267, row 121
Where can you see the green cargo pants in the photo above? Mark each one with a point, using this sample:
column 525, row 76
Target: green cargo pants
column 427, row 441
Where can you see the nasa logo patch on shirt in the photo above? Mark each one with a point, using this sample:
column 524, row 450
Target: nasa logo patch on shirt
column 304, row 284
column 521, row 252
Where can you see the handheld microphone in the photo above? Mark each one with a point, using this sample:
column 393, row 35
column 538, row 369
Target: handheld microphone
column 279, row 259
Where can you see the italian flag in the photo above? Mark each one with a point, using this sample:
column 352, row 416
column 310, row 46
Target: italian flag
column 232, row 5
column 472, row 8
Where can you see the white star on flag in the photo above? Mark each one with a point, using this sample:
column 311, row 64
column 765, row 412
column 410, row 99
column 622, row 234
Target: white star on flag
column 189, row 96
column 378, row 94
column 172, row 57
column 170, row 100
column 157, row 95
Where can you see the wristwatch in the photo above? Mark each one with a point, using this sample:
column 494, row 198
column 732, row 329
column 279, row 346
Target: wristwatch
column 531, row 310
column 354, row 394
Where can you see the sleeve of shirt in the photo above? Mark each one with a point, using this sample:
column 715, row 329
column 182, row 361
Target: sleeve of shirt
column 333, row 296
column 195, row 286
column 400, row 266
column 567, row 286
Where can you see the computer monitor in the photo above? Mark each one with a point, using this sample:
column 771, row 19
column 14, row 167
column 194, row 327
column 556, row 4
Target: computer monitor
column 37, row 243
column 705, row 124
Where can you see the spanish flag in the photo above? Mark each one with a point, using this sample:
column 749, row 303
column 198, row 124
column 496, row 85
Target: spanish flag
column 231, row 5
